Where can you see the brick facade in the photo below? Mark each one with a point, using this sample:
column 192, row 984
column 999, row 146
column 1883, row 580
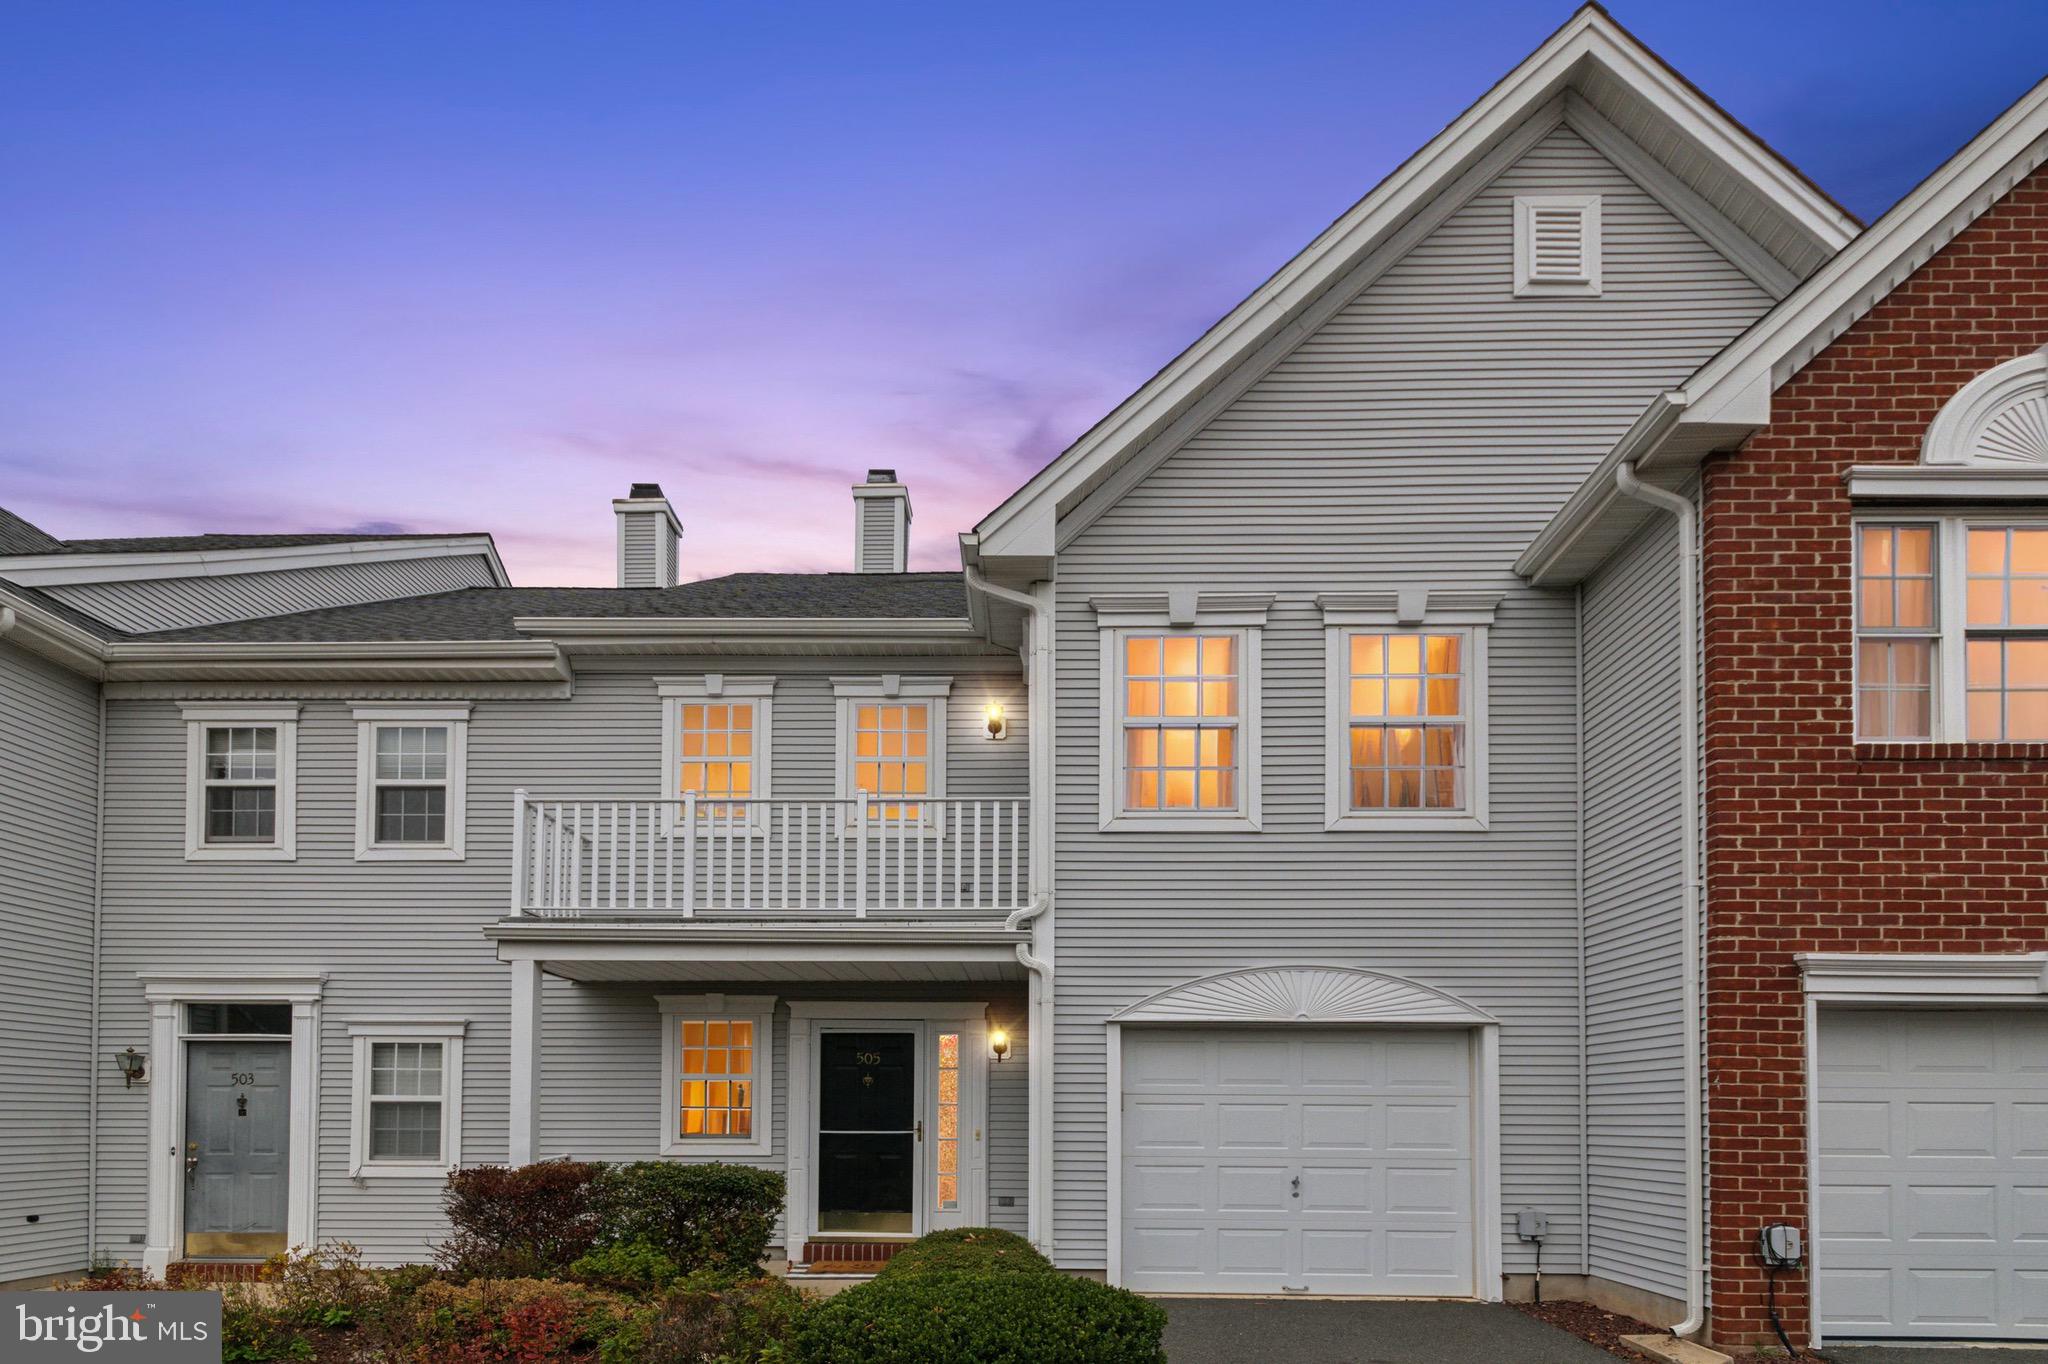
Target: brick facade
column 1814, row 843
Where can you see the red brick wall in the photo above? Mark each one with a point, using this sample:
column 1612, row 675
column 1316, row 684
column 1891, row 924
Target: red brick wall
column 1813, row 844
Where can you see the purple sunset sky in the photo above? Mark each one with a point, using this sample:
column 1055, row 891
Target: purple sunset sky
column 438, row 266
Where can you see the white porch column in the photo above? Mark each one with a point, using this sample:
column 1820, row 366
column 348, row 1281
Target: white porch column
column 166, row 1143
column 524, row 1131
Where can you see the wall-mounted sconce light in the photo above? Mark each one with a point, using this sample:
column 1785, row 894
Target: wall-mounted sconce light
column 134, row 1067
column 998, row 723
column 999, row 1043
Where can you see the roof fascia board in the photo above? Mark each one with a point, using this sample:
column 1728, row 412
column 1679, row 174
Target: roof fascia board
column 1013, row 528
column 47, row 570
column 383, row 660
column 1655, row 179
column 37, row 630
column 1282, row 343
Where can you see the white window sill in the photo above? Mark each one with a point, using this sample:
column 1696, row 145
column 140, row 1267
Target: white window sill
column 240, row 852
column 395, row 1170
column 1180, row 824
column 1447, row 823
column 715, row 1148
column 396, row 853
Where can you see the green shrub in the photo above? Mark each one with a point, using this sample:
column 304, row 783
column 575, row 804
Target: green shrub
column 712, row 1216
column 968, row 1250
column 709, row 1318
column 635, row 1268
column 253, row 1332
column 989, row 1318
column 526, row 1221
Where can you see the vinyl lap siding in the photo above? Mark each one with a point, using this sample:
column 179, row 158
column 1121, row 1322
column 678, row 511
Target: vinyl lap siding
column 399, row 939
column 49, row 736
column 1421, row 437
column 1634, row 906
column 877, row 535
column 172, row 603
column 640, row 550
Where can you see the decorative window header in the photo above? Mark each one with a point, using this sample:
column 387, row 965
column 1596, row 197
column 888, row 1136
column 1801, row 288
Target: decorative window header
column 1181, row 608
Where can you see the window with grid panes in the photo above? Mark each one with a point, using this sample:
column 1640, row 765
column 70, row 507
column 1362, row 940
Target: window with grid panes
column 716, row 1072
column 1181, row 719
column 1408, row 729
column 407, row 1102
column 892, row 755
column 239, row 776
column 717, row 747
column 2006, row 634
column 1897, row 629
column 410, row 771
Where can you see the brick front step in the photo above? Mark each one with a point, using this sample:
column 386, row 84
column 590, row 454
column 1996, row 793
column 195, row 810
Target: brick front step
column 848, row 1257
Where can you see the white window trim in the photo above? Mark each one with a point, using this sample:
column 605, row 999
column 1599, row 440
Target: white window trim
column 1950, row 703
column 1409, row 611
column 201, row 716
column 365, row 1033
column 675, row 692
column 758, row 1010
column 1588, row 208
column 931, row 692
column 1184, row 611
column 370, row 716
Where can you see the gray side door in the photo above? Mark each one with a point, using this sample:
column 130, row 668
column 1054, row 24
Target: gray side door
column 237, row 1098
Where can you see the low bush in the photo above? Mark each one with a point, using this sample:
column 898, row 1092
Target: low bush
column 708, row 1318
column 990, row 1318
column 702, row 1217
column 970, row 1250
column 507, row 1321
column 525, row 1221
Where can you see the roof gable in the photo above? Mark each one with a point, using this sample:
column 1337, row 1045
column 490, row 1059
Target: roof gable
column 1591, row 59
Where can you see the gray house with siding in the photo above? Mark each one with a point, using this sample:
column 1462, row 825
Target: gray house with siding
column 1236, row 877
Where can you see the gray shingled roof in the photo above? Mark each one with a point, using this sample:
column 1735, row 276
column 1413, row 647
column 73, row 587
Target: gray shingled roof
column 488, row 612
column 20, row 537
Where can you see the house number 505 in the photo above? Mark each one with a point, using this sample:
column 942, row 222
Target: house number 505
column 867, row 1058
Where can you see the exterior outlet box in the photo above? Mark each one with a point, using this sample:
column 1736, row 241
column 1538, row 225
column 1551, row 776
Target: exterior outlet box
column 1780, row 1246
column 1532, row 1224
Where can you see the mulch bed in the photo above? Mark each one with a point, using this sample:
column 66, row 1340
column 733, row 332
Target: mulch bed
column 1598, row 1326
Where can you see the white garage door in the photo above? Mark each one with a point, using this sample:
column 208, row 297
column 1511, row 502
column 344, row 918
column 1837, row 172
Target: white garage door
column 1932, row 1219
column 1297, row 1161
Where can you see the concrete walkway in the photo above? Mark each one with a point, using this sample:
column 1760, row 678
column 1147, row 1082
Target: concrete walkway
column 1268, row 1331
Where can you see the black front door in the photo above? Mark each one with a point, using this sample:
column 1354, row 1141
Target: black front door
column 867, row 1131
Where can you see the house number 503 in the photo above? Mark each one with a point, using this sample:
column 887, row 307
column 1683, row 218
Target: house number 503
column 243, row 1077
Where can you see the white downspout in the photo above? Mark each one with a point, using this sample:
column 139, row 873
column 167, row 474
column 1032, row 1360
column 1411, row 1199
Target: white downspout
column 1036, row 956
column 1689, row 824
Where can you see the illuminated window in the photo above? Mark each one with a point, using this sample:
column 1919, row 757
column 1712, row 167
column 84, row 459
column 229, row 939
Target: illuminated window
column 947, row 1150
column 715, row 1093
column 1181, row 717
column 892, row 744
column 1896, row 626
column 2006, row 622
column 1407, row 733
column 717, row 745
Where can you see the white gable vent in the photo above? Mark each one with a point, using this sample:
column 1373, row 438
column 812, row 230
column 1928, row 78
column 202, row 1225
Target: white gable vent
column 1557, row 245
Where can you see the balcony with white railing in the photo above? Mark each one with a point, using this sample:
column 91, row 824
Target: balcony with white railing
column 857, row 858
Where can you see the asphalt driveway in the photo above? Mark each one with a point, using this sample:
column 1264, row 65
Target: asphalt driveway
column 1934, row 1354
column 1382, row 1331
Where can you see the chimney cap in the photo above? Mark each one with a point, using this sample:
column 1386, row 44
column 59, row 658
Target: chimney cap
column 644, row 490
column 881, row 475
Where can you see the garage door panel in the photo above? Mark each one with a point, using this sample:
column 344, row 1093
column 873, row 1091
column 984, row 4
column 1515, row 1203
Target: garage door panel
column 1932, row 1209
column 1249, row 1125
column 1384, row 1204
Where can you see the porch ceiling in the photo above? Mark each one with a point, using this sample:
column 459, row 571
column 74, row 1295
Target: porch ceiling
column 896, row 951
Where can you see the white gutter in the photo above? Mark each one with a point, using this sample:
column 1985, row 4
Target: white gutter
column 1689, row 824
column 1037, row 955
